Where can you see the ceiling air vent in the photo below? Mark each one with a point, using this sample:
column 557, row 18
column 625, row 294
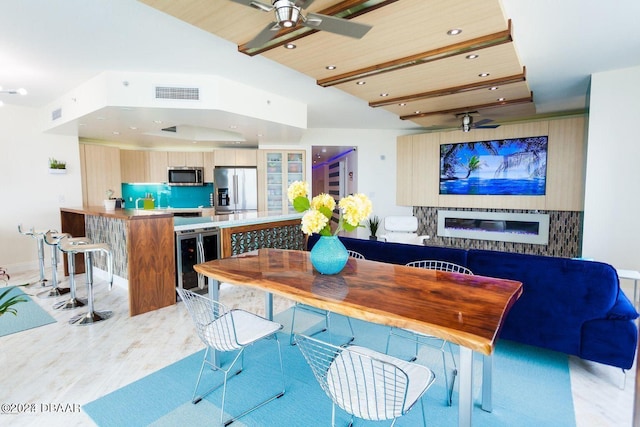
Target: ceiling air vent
column 188, row 93
column 56, row 114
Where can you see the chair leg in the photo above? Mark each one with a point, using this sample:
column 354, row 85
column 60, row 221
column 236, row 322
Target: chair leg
column 278, row 395
column 293, row 321
column 353, row 335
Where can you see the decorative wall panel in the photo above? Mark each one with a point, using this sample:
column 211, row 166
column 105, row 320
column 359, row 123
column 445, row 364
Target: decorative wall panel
column 113, row 232
column 565, row 233
column 284, row 237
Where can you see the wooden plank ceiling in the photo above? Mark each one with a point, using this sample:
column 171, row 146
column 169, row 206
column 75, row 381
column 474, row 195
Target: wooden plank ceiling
column 407, row 63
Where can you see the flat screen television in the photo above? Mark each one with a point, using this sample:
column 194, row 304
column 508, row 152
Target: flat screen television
column 515, row 167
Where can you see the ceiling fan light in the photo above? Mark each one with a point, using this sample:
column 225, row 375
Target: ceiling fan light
column 287, row 15
column 466, row 128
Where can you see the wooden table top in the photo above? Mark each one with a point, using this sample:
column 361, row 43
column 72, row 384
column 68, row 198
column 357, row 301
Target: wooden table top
column 463, row 309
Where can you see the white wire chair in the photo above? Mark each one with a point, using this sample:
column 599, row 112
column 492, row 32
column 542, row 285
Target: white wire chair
column 228, row 330
column 320, row 312
column 365, row 383
column 430, row 340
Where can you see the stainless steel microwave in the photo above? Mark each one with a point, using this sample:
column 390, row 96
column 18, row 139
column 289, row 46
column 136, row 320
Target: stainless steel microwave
column 185, row 175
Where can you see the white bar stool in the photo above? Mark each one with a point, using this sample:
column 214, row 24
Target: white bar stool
column 73, row 301
column 52, row 238
column 91, row 316
column 39, row 236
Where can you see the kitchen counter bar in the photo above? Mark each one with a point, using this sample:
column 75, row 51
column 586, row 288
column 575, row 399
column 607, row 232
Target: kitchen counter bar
column 234, row 220
column 142, row 242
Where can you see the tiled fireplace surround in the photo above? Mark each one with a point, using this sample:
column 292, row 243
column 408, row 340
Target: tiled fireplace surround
column 565, row 233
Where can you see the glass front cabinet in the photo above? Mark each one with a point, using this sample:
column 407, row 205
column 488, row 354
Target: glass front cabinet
column 278, row 169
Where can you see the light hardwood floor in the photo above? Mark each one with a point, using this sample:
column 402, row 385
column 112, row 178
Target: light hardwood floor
column 73, row 365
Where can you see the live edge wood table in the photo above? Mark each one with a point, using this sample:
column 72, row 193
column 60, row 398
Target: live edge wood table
column 463, row 309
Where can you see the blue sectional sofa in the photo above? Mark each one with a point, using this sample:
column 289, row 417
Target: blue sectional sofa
column 571, row 306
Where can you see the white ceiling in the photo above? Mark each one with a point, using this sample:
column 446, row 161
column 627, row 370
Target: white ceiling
column 51, row 47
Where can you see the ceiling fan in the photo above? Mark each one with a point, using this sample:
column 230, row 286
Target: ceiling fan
column 467, row 122
column 289, row 14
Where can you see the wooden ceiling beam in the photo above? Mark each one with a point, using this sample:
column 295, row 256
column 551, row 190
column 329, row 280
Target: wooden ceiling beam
column 469, row 108
column 453, row 90
column 346, row 9
column 465, row 47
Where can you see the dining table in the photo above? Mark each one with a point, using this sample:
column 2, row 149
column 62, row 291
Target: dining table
column 467, row 310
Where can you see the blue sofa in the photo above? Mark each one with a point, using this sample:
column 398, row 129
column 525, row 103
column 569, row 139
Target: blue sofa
column 571, row 306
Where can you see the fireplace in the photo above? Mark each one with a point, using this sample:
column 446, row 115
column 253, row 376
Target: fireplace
column 498, row 226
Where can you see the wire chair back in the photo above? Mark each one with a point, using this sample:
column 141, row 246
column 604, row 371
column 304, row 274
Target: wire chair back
column 362, row 385
column 213, row 321
column 354, row 254
column 440, row 266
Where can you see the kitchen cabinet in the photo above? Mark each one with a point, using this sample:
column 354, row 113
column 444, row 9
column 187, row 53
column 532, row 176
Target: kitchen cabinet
column 134, row 165
column 100, row 170
column 209, row 164
column 158, row 163
column 235, row 157
column 276, row 171
column 182, row 158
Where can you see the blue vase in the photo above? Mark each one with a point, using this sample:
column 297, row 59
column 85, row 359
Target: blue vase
column 328, row 255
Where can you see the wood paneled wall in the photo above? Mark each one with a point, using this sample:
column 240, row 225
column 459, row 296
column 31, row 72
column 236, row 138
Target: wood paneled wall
column 418, row 168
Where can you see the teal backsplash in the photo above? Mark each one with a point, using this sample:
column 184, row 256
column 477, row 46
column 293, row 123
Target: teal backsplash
column 168, row 196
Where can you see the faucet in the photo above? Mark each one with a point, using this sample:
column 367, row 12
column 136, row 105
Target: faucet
column 137, row 200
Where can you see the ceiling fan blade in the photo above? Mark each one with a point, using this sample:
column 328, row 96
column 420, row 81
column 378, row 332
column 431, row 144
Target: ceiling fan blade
column 303, row 4
column 487, row 127
column 264, row 36
column 336, row 25
column 255, row 4
column 483, row 122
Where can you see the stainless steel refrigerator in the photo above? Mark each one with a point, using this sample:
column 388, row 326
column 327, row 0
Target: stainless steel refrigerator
column 236, row 189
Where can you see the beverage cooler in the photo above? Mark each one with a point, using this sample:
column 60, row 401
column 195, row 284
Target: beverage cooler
column 195, row 247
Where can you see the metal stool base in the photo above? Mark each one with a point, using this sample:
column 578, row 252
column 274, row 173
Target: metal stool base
column 70, row 304
column 90, row 317
column 42, row 282
column 53, row 293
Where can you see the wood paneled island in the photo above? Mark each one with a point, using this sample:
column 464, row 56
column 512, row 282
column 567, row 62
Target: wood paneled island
column 143, row 244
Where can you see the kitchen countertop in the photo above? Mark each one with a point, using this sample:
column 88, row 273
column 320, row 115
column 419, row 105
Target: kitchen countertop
column 233, row 220
column 127, row 214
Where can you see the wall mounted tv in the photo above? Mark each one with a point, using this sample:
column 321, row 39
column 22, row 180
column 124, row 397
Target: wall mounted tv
column 515, row 167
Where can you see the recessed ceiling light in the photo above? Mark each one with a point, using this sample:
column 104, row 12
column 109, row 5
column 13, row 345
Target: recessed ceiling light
column 290, row 46
column 157, row 121
column 330, row 67
column 416, row 112
column 483, row 75
column 115, row 132
column 361, row 82
column 133, row 127
column 233, row 127
column 454, row 31
column 501, row 99
column 384, row 94
column 472, row 56
column 402, row 104
column 493, row 88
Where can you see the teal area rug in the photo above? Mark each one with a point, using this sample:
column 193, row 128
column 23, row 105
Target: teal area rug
column 29, row 314
column 531, row 388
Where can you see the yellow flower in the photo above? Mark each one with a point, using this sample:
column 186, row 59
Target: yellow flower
column 323, row 200
column 355, row 208
column 313, row 221
column 297, row 189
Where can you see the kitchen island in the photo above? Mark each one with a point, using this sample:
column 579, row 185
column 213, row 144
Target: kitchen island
column 143, row 244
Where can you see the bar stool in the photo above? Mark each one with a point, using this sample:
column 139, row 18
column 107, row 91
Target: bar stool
column 73, row 301
column 91, row 316
column 52, row 238
column 39, row 236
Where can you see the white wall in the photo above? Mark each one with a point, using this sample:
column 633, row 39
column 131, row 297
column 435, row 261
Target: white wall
column 376, row 165
column 612, row 196
column 29, row 195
